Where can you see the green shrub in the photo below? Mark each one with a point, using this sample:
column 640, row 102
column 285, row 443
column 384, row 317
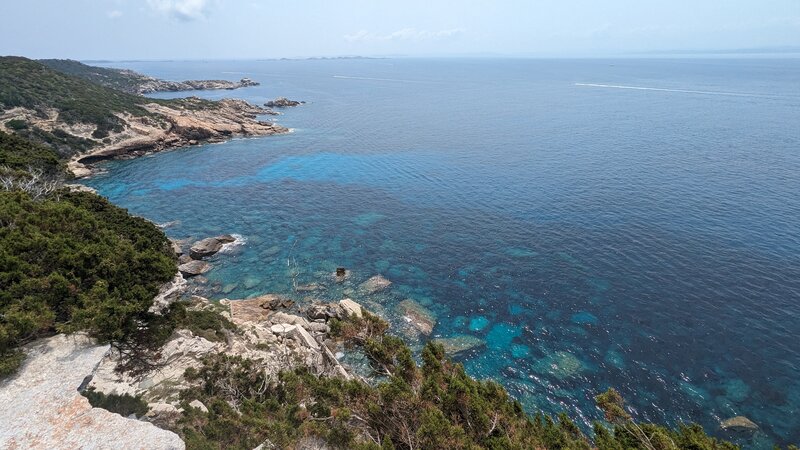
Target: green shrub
column 78, row 263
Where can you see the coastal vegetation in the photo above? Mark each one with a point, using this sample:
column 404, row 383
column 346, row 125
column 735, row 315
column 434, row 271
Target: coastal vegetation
column 75, row 262
column 434, row 405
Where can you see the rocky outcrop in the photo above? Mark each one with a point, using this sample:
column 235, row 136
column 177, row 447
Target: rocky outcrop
column 41, row 408
column 276, row 340
column 169, row 127
column 282, row 102
column 194, row 268
column 209, row 246
column 149, row 85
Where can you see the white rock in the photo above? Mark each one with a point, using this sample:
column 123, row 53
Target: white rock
column 282, row 329
column 198, row 405
column 41, row 408
column 305, row 338
column 351, row 308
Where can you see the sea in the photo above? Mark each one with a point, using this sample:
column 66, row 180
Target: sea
column 586, row 224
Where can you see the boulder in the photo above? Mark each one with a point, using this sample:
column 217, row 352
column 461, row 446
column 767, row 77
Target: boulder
column 209, row 246
column 194, row 268
column 351, row 308
column 418, row 316
column 176, row 248
column 305, row 338
column 283, row 329
column 375, row 284
column 197, row 404
column 281, row 317
column 738, row 423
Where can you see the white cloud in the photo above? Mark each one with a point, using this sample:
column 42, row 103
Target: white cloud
column 116, row 14
column 406, row 34
column 186, row 10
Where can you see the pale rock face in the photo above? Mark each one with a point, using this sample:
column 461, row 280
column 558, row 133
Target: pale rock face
column 351, row 308
column 41, row 408
column 184, row 350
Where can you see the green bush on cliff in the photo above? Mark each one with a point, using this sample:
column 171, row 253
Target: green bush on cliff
column 20, row 154
column 74, row 263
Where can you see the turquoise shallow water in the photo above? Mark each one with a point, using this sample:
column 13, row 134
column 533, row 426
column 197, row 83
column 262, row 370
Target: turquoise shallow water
column 591, row 236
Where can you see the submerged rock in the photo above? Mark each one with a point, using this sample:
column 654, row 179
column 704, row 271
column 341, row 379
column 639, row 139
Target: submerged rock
column 738, row 423
column 194, row 268
column 418, row 316
column 459, row 344
column 375, row 284
column 209, row 246
column 478, row 323
column 561, row 365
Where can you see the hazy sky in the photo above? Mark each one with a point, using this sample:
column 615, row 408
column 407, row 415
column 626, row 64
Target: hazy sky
column 192, row 29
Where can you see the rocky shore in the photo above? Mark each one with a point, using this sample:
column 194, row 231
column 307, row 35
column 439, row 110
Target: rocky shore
column 195, row 123
column 149, row 85
column 58, row 416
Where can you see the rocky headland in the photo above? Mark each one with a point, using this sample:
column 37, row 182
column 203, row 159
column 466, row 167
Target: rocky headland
column 136, row 83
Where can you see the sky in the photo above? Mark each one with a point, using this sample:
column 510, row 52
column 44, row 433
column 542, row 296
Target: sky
column 247, row 29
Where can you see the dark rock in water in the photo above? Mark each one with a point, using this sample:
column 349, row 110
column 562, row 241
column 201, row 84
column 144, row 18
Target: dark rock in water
column 209, row 246
column 194, row 268
column 341, row 271
column 738, row 423
column 282, row 102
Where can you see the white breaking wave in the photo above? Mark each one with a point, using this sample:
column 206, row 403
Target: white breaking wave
column 230, row 246
column 683, row 91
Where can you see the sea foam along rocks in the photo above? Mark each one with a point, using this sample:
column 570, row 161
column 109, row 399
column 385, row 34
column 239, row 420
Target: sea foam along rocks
column 210, row 246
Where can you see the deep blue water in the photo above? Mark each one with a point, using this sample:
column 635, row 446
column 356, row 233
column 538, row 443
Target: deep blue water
column 592, row 236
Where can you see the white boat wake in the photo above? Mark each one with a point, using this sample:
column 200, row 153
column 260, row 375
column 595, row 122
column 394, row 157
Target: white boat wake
column 683, row 91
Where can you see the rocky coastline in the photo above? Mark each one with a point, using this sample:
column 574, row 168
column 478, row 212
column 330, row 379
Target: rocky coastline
column 149, row 85
column 178, row 128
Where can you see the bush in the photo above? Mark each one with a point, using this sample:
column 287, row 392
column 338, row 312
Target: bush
column 78, row 263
